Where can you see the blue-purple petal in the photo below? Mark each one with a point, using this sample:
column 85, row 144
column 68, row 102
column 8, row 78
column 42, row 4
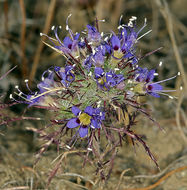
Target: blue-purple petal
column 89, row 110
column 150, row 76
column 67, row 42
column 157, row 87
column 98, row 72
column 115, row 42
column 75, row 110
column 154, row 94
column 83, row 131
column 94, row 123
column 72, row 123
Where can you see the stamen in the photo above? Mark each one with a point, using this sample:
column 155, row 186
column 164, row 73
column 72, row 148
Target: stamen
column 102, row 20
column 145, row 20
column 164, row 90
column 164, row 80
column 53, row 27
column 143, row 35
column 160, row 64
column 178, row 73
column 171, row 97
column 46, row 92
column 67, row 27
column 181, row 87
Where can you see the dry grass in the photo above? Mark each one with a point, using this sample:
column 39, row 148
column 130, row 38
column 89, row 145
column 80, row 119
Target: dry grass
column 20, row 45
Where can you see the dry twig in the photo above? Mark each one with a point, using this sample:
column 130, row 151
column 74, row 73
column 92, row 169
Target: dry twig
column 24, row 65
column 164, row 9
column 161, row 179
column 50, row 13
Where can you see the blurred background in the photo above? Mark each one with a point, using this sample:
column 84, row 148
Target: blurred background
column 21, row 45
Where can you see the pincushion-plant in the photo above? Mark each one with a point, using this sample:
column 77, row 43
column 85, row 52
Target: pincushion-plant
column 95, row 94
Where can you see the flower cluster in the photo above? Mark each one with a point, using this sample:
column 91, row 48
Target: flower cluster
column 98, row 82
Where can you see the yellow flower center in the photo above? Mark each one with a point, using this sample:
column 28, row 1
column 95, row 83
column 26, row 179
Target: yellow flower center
column 118, row 54
column 102, row 80
column 139, row 88
column 85, row 119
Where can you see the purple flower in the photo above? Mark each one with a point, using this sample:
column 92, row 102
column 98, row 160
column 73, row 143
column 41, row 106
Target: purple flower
column 46, row 82
column 116, row 44
column 66, row 75
column 93, row 35
column 108, row 79
column 42, row 96
column 121, row 49
column 113, row 79
column 145, row 77
column 87, row 63
column 91, row 117
column 98, row 59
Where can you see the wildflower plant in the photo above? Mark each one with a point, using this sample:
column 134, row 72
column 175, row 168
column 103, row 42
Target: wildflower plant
column 95, row 94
